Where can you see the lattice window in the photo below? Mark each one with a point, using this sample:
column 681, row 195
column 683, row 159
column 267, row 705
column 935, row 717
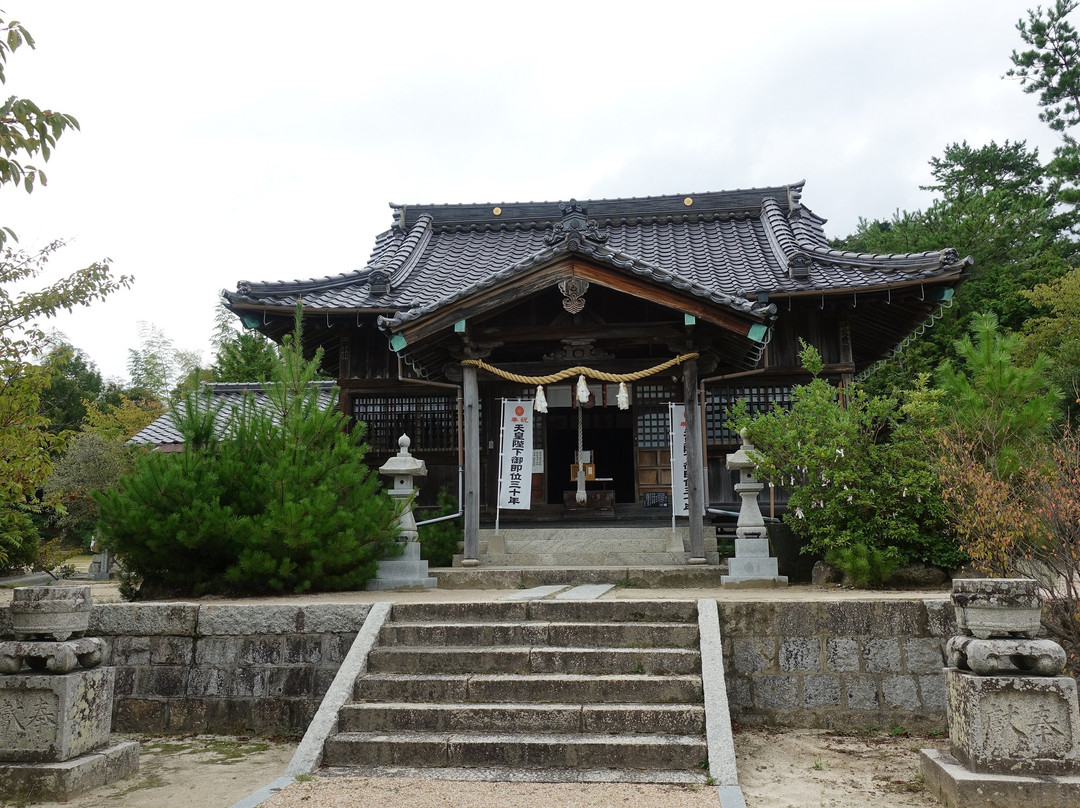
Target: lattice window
column 651, row 414
column 721, row 399
column 429, row 420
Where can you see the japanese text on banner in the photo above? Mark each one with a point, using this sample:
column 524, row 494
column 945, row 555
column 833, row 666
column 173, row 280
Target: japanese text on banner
column 515, row 464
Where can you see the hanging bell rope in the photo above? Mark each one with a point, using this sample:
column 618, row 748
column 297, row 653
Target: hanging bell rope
column 580, row 370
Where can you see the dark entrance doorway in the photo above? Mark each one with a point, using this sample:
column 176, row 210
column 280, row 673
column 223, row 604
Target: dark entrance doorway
column 608, row 432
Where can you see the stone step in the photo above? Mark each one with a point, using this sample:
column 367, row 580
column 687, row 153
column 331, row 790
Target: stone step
column 528, row 659
column 508, row 774
column 588, row 559
column 612, row 635
column 463, row 688
column 528, row 751
column 550, row 611
column 669, row 719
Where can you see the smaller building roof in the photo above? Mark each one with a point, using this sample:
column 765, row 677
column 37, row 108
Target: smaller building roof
column 165, row 436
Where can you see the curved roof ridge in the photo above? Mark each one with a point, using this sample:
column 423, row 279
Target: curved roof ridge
column 778, row 232
column 933, row 260
column 403, row 260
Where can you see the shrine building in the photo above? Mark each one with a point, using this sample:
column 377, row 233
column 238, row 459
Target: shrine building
column 692, row 301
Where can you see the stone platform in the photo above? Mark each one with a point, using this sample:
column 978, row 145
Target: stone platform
column 706, row 576
column 23, row 783
column 954, row 784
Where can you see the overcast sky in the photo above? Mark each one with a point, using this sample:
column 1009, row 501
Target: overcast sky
column 225, row 141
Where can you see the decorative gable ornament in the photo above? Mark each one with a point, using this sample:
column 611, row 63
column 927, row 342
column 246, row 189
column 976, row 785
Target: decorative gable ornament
column 573, row 290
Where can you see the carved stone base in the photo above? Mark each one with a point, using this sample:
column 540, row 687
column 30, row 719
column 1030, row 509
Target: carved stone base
column 1014, row 724
column 22, row 783
column 47, row 718
column 998, row 657
column 957, row 786
column 56, row 657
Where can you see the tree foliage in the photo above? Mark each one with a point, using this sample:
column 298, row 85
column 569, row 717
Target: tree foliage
column 28, row 132
column 1014, row 229
column 1050, row 67
column 1000, row 409
column 859, row 471
column 281, row 502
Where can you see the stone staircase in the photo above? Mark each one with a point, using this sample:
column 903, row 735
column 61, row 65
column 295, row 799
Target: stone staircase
column 541, row 690
column 610, row 546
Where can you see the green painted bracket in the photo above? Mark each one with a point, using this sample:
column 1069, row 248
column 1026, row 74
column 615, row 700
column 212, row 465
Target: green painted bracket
column 688, row 319
column 397, row 343
column 757, row 332
column 459, row 327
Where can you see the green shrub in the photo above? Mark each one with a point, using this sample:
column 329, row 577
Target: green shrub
column 865, row 567
column 860, row 471
column 439, row 541
column 282, row 502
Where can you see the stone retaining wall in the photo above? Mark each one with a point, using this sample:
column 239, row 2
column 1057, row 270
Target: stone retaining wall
column 837, row 664
column 186, row 667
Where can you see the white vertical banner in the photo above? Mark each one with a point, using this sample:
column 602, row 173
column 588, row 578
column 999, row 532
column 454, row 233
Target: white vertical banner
column 680, row 470
column 516, row 455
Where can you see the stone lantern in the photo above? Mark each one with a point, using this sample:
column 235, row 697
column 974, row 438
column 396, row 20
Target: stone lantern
column 403, row 467
column 752, row 564
column 408, row 570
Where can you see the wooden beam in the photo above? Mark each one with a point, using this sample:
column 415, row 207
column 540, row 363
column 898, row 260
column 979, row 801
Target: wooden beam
column 486, row 301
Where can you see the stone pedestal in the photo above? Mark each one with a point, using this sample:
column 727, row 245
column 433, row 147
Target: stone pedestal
column 54, row 727
column 1014, row 735
column 1014, row 724
column 753, row 565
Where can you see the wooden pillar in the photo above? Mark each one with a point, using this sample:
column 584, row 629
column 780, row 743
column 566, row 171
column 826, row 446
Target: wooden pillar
column 695, row 478
column 472, row 467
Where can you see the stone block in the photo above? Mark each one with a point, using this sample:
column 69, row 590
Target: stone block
column 862, row 693
column 940, row 618
column 752, row 548
column 228, row 716
column 125, row 682
column 144, row 619
column 246, row 682
column 799, row 619
column 851, row 618
column 1013, row 724
column 738, row 690
column 187, row 715
column 166, row 681
column 261, row 651
column 923, row 655
column 54, row 718
column 821, row 691
column 140, row 715
column 753, row 655
column 901, row 618
column 269, row 716
column 291, row 682
column 336, row 647
column 172, row 650
column 800, row 654
column 842, row 654
column 334, row 618
column 900, row 693
column 207, row 681
column 775, row 692
column 881, row 655
column 249, row 620
column 127, row 650
column 932, row 692
column 303, row 649
column 217, row 651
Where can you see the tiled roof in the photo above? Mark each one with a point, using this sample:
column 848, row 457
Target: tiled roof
column 164, row 431
column 727, row 247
